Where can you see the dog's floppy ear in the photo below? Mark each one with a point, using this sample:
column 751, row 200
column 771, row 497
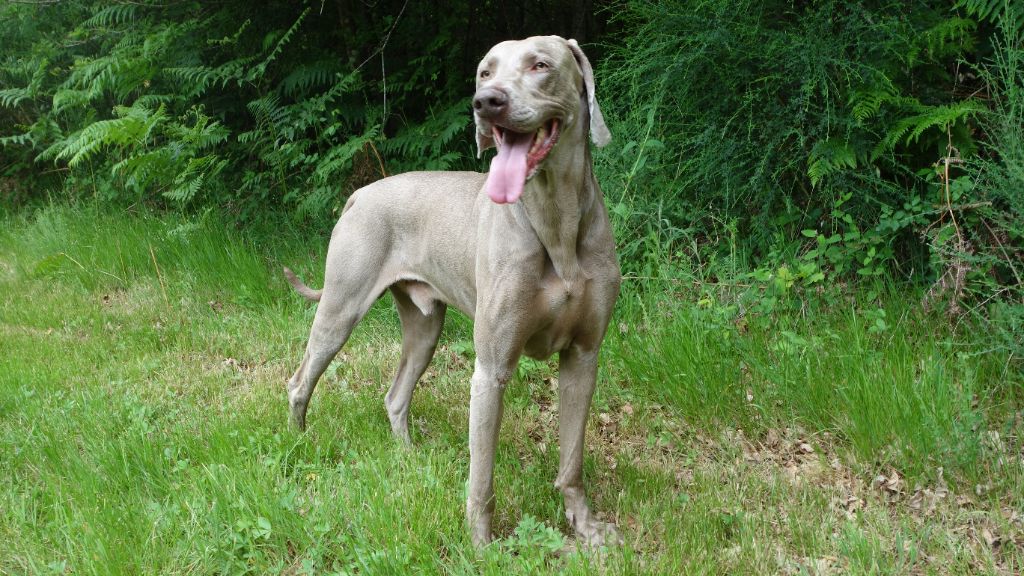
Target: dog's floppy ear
column 598, row 130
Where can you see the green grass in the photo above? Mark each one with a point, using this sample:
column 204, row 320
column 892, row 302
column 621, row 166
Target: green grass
column 906, row 387
column 143, row 428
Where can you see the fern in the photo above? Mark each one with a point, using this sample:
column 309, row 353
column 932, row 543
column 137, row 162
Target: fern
column 203, row 133
column 950, row 37
column 24, row 139
column 111, row 16
column 132, row 128
column 308, row 76
column 69, row 98
column 429, row 143
column 237, row 71
column 202, row 78
column 260, row 70
column 197, row 171
column 11, row 97
column 269, row 115
column 331, row 169
column 828, row 157
column 910, row 128
column 36, row 72
column 867, row 103
column 146, row 169
column 1007, row 13
column 338, row 159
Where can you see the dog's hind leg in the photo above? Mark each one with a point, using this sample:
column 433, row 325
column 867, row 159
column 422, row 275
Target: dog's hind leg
column 422, row 320
column 350, row 288
column 326, row 338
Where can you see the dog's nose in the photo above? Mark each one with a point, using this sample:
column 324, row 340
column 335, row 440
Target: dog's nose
column 490, row 102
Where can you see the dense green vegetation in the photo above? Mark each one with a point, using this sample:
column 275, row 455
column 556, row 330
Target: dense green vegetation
column 815, row 364
column 801, row 142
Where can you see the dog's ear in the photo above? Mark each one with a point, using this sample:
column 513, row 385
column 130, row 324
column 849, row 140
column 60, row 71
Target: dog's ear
column 484, row 140
column 598, row 130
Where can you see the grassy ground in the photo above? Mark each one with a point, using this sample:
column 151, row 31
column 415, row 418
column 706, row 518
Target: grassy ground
column 143, row 428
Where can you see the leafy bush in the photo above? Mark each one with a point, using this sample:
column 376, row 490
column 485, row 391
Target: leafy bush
column 779, row 118
column 993, row 260
column 254, row 109
column 813, row 143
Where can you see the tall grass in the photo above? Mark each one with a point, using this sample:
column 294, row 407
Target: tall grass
column 93, row 248
column 908, row 393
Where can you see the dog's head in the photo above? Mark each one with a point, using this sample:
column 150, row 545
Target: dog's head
column 528, row 92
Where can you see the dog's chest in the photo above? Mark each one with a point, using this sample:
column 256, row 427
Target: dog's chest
column 562, row 313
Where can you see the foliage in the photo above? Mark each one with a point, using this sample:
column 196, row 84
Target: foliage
column 818, row 143
column 1008, row 14
column 767, row 114
column 291, row 106
column 794, row 144
column 994, row 233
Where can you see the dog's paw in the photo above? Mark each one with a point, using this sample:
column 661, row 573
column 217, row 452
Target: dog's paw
column 594, row 534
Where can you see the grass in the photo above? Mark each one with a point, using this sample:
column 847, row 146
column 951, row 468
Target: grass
column 143, row 428
column 878, row 386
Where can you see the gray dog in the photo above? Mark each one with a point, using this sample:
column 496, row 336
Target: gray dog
column 526, row 250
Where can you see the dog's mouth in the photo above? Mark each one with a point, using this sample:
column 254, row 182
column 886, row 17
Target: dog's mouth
column 520, row 155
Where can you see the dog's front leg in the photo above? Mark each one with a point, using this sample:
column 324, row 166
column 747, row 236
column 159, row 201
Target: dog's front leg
column 577, row 378
column 485, row 410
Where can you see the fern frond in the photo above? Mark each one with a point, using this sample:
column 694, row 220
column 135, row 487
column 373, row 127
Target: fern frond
column 133, row 127
column 201, row 134
column 153, row 100
column 828, row 157
column 201, row 78
column 64, row 99
column 190, row 180
column 143, row 170
column 911, row 128
column 35, row 70
column 943, row 117
column 111, row 15
column 268, row 111
column 339, row 158
column 1008, row 13
column 17, row 140
column 950, row 37
column 11, row 97
column 307, row 76
column 233, row 39
column 429, row 141
column 258, row 71
column 867, row 103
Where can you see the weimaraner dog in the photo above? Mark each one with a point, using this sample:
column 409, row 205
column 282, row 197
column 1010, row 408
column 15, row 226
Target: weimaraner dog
column 526, row 250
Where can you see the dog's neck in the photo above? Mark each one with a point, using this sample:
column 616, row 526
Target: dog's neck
column 560, row 198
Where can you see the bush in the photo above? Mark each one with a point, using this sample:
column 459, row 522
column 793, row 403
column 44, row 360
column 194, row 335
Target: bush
column 994, row 231
column 288, row 106
column 773, row 118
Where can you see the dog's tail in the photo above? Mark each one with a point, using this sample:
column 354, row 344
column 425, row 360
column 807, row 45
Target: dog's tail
column 306, row 292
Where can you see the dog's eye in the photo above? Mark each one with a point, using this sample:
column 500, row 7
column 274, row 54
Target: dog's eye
column 540, row 66
column 485, row 73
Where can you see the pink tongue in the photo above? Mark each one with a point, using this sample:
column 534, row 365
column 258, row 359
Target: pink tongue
column 507, row 177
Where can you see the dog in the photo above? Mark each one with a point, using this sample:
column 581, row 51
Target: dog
column 525, row 250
